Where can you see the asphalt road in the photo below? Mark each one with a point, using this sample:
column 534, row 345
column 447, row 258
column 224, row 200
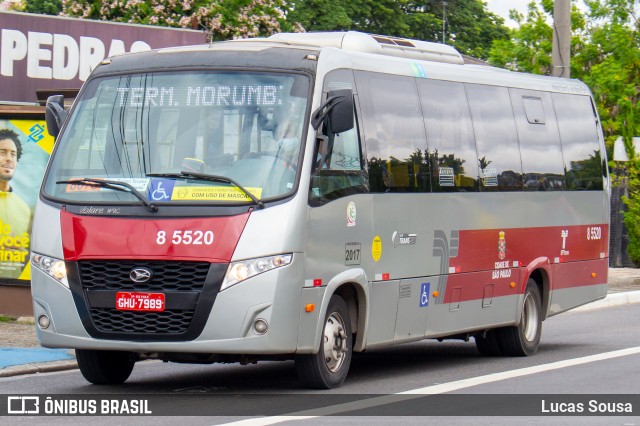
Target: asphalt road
column 580, row 355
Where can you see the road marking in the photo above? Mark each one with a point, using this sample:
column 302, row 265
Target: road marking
column 432, row 390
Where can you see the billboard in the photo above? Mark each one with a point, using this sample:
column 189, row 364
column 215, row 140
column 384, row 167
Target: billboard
column 20, row 179
column 50, row 52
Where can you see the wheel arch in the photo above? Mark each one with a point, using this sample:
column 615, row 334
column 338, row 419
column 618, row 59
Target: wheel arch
column 352, row 287
column 540, row 271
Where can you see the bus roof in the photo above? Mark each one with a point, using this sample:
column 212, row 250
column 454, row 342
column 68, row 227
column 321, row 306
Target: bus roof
column 351, row 49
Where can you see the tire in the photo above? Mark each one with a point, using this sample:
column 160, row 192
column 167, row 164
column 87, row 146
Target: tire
column 105, row 367
column 523, row 339
column 329, row 367
column 489, row 344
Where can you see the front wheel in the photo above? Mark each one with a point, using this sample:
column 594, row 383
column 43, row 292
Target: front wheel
column 105, row 367
column 329, row 367
column 523, row 339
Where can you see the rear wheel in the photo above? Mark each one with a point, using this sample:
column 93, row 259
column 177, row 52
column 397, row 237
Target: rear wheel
column 488, row 345
column 105, row 367
column 329, row 367
column 523, row 339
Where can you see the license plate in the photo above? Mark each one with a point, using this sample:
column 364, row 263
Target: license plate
column 138, row 301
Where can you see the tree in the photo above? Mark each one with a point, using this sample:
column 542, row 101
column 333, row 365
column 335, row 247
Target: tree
column 469, row 26
column 605, row 49
column 528, row 47
column 45, row 7
column 223, row 19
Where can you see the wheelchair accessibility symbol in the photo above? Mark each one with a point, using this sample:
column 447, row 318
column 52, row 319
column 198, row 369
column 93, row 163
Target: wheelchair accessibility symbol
column 424, row 294
column 161, row 190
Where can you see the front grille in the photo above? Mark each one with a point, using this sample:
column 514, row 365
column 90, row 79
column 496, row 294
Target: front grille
column 167, row 276
column 183, row 284
column 114, row 321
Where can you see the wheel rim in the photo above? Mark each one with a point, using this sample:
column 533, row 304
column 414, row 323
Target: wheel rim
column 530, row 318
column 335, row 342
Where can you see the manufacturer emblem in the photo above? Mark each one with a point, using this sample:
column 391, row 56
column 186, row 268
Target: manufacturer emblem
column 140, row 275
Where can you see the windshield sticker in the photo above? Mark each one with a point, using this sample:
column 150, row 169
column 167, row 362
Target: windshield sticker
column 140, row 184
column 161, row 189
column 489, row 177
column 214, row 193
column 446, row 176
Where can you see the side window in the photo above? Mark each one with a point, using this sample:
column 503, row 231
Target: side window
column 339, row 167
column 395, row 138
column 540, row 150
column 496, row 138
column 451, row 149
column 579, row 138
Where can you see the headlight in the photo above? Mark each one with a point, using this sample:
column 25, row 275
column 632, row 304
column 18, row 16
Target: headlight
column 240, row 271
column 51, row 266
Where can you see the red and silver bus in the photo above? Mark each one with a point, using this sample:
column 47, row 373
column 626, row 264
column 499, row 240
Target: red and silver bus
column 307, row 196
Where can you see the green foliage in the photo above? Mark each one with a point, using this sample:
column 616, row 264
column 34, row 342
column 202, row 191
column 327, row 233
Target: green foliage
column 528, row 48
column 470, row 28
column 45, row 7
column 632, row 215
column 223, row 20
column 605, row 54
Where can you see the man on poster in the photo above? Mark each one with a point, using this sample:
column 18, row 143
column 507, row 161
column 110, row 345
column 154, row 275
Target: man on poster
column 15, row 214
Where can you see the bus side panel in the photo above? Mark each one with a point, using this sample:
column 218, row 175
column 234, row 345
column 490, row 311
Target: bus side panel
column 384, row 308
column 572, row 287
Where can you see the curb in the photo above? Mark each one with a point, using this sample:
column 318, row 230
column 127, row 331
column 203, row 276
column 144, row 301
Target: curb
column 38, row 367
column 612, row 299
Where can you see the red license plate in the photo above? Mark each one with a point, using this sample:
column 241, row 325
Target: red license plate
column 137, row 301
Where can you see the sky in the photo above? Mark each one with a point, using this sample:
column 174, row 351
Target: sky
column 502, row 7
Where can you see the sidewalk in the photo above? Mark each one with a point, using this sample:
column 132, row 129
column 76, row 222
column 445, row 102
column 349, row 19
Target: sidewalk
column 20, row 352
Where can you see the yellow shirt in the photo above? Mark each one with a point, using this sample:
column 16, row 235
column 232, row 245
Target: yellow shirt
column 15, row 225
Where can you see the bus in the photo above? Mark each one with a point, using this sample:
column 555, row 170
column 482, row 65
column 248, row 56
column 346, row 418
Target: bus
column 307, row 196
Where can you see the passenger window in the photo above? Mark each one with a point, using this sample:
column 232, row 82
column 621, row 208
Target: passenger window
column 579, row 138
column 540, row 150
column 496, row 138
column 338, row 168
column 533, row 109
column 451, row 148
column 396, row 146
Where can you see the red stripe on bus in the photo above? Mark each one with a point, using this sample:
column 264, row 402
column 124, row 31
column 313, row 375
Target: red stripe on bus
column 498, row 283
column 192, row 239
column 479, row 250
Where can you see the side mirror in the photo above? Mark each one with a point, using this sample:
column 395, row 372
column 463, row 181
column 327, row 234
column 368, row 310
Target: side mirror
column 338, row 108
column 341, row 115
column 55, row 114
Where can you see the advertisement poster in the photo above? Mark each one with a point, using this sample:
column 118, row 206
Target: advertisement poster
column 25, row 147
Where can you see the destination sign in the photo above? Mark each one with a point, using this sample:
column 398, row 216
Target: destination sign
column 236, row 95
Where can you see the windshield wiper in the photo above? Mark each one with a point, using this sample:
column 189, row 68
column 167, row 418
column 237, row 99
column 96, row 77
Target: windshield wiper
column 116, row 186
column 212, row 178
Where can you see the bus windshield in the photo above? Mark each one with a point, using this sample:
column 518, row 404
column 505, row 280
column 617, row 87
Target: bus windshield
column 165, row 133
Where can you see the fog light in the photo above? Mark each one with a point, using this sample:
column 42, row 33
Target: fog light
column 260, row 326
column 43, row 321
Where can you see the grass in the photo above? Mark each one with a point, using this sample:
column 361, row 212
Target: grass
column 6, row 319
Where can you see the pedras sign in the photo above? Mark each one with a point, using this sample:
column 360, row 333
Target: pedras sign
column 44, row 52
